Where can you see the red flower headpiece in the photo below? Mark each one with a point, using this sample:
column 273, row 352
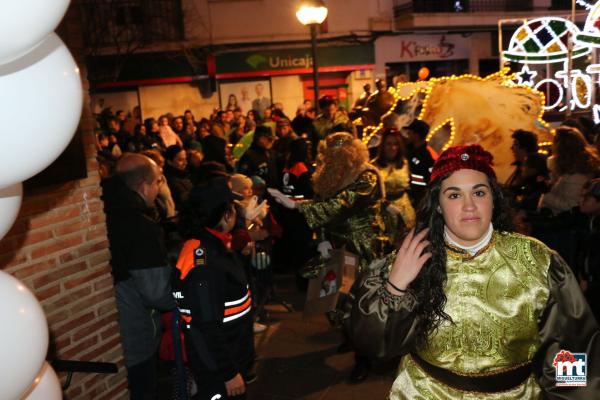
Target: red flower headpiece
column 471, row 156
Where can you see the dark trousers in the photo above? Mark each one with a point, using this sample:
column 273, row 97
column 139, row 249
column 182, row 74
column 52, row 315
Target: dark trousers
column 142, row 379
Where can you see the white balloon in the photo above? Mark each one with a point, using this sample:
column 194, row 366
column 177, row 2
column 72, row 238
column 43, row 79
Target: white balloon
column 46, row 386
column 40, row 106
column 24, row 335
column 10, row 203
column 24, row 23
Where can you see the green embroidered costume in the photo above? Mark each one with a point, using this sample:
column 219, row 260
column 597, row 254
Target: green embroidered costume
column 351, row 217
column 514, row 302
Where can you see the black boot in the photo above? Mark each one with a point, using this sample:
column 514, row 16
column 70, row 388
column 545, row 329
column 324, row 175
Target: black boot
column 361, row 370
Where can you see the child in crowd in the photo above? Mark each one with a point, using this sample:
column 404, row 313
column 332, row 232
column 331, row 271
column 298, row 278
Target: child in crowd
column 108, row 153
column 253, row 237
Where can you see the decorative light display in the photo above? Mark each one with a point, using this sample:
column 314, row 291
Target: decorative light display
column 591, row 34
column 426, row 89
column 584, row 4
column 525, row 77
column 546, row 41
column 369, row 131
column 432, row 132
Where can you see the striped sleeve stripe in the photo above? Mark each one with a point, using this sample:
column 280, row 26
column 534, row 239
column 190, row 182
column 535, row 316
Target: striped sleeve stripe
column 238, row 301
column 240, row 312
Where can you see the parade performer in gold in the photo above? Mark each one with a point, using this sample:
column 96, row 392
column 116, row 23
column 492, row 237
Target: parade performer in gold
column 476, row 310
column 346, row 210
column 395, row 173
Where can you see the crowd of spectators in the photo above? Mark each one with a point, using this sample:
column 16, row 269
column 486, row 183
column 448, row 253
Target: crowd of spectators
column 555, row 192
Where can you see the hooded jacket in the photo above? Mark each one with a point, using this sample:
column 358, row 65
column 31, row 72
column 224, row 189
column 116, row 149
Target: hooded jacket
column 215, row 303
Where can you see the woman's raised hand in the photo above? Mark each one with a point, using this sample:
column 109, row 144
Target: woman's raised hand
column 409, row 261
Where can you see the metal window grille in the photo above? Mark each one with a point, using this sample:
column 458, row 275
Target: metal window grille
column 114, row 22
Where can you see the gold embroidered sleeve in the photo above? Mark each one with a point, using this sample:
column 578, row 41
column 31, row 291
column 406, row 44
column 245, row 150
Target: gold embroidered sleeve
column 382, row 323
column 567, row 323
column 318, row 213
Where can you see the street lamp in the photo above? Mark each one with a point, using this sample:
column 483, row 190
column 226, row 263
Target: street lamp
column 313, row 13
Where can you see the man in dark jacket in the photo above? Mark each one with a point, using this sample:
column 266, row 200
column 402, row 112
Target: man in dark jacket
column 524, row 144
column 259, row 159
column 213, row 295
column 421, row 158
column 140, row 269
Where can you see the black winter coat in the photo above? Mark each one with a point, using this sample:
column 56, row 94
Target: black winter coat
column 214, row 300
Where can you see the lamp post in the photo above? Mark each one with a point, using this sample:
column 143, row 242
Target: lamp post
column 312, row 13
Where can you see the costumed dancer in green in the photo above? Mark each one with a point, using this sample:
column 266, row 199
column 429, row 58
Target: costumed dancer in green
column 346, row 211
column 476, row 310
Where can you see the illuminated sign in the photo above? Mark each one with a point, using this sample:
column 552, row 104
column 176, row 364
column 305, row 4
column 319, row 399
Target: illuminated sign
column 546, row 41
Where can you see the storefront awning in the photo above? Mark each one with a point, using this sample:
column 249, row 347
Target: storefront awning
column 293, row 61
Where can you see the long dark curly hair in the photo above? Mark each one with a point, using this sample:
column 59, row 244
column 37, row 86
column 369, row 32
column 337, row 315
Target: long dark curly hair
column 429, row 286
column 398, row 162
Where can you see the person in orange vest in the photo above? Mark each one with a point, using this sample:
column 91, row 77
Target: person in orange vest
column 213, row 294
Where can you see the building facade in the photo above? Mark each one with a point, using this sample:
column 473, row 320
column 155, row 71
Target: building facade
column 196, row 53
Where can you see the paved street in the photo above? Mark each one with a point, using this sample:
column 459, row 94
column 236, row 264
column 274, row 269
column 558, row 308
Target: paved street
column 298, row 358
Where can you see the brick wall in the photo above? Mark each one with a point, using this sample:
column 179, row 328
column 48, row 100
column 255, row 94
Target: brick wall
column 59, row 249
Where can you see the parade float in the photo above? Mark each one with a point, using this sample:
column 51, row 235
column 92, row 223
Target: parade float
column 468, row 109
column 553, row 71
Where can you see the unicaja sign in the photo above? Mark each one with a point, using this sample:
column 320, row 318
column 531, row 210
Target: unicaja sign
column 571, row 368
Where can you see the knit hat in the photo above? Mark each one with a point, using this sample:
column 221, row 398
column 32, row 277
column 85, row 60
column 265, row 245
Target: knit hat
column 471, row 156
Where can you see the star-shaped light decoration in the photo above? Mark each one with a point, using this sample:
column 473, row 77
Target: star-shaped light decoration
column 587, row 5
column 525, row 77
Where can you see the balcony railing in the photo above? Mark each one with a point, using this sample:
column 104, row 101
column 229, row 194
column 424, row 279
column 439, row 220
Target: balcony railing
column 459, row 6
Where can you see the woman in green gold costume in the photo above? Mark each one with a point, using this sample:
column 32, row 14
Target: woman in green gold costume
column 476, row 310
column 346, row 212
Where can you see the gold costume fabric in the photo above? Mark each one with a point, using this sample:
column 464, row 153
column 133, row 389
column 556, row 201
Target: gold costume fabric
column 397, row 184
column 514, row 302
column 351, row 217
